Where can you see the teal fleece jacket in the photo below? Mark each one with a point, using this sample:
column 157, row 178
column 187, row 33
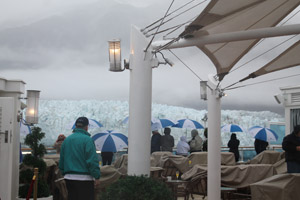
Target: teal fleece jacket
column 78, row 155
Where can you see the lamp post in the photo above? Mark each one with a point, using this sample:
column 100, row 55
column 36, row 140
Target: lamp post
column 32, row 106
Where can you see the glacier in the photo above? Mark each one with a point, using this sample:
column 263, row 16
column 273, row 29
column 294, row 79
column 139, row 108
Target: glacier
column 57, row 116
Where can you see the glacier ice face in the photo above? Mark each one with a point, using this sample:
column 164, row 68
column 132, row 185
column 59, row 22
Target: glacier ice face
column 55, row 117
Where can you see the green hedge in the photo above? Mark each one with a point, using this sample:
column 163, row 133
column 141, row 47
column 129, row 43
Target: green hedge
column 137, row 188
column 31, row 161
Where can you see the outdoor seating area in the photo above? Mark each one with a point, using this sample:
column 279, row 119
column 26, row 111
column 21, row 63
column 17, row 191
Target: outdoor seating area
column 187, row 176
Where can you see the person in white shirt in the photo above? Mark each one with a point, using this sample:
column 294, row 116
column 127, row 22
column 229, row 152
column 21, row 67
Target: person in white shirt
column 183, row 147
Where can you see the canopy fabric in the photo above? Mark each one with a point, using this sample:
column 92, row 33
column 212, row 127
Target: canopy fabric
column 221, row 16
column 217, row 10
column 289, row 58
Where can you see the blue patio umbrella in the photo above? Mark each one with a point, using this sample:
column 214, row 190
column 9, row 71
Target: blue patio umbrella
column 231, row 128
column 92, row 124
column 110, row 141
column 126, row 120
column 162, row 123
column 264, row 134
column 188, row 123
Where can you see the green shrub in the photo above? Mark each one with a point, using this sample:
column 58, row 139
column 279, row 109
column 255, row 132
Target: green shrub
column 137, row 188
column 31, row 161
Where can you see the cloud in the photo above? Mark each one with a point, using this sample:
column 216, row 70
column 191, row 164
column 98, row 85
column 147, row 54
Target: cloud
column 66, row 57
column 22, row 12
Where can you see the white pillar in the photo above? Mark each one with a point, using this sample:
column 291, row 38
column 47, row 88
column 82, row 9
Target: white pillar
column 10, row 105
column 214, row 142
column 140, row 101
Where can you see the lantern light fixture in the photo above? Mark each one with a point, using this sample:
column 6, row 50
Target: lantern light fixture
column 32, row 109
column 114, row 50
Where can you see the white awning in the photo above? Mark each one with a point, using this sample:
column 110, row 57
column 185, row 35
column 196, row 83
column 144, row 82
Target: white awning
column 289, row 58
column 222, row 16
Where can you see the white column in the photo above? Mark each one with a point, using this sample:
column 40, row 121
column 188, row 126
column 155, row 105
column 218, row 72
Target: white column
column 140, row 101
column 13, row 90
column 214, row 142
column 287, row 116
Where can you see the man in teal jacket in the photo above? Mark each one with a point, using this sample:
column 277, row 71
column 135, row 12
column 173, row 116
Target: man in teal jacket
column 79, row 162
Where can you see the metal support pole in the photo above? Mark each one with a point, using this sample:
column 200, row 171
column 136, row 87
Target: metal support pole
column 35, row 187
column 214, row 142
column 232, row 36
column 140, row 101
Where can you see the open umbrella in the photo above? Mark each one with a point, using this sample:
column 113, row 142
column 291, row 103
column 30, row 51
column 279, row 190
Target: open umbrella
column 92, row 124
column 264, row 134
column 24, row 128
column 110, row 141
column 231, row 128
column 155, row 126
column 126, row 120
column 162, row 123
column 188, row 123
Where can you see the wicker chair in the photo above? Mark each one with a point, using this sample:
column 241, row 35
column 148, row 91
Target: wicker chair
column 170, row 170
column 156, row 173
column 198, row 184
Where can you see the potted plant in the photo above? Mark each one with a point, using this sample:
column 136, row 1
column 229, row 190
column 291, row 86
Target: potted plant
column 31, row 161
column 137, row 188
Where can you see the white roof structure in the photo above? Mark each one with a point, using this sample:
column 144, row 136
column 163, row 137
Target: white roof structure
column 288, row 58
column 222, row 16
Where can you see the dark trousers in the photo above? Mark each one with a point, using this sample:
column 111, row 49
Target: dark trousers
column 107, row 157
column 79, row 190
column 293, row 167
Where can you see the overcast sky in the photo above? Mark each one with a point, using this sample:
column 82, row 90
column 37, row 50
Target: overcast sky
column 66, row 73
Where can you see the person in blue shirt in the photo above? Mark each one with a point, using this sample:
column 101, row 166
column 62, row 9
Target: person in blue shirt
column 79, row 162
